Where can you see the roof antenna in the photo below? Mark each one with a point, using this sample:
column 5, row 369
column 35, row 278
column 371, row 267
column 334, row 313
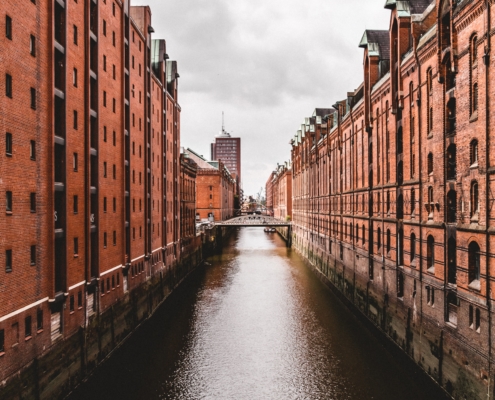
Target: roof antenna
column 223, row 123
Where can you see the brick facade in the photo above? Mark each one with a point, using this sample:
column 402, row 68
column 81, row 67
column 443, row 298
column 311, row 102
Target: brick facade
column 392, row 189
column 91, row 169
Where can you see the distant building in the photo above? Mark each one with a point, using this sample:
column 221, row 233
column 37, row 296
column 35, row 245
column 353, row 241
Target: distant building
column 269, row 194
column 281, row 187
column 188, row 172
column 215, row 189
column 228, row 150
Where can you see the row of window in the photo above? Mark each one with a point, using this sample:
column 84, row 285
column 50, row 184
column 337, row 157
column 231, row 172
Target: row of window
column 28, row 326
column 9, row 146
column 9, row 90
column 9, row 35
column 9, row 202
column 9, row 260
column 115, row 282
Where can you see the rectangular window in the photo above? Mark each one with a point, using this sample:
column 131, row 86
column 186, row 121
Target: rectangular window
column 104, row 204
column 74, row 77
column 104, row 98
column 32, row 202
column 8, row 85
column 114, row 138
column 104, row 63
column 75, row 35
column 33, row 98
column 8, row 260
column 39, row 320
column 8, row 27
column 114, row 204
column 114, row 105
column 114, row 171
column 104, row 240
column 8, row 143
column 79, row 299
column 32, row 46
column 8, row 204
column 113, row 9
column 113, row 38
column 32, row 150
column 104, row 169
column 33, row 255
column 104, row 28
column 75, row 119
column 114, row 238
column 104, row 133
column 74, row 162
column 71, row 303
column 114, row 72
column 76, row 246
column 76, row 204
column 27, row 327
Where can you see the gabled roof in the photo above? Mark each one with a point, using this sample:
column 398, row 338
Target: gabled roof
column 200, row 160
column 408, row 7
column 323, row 112
column 377, row 43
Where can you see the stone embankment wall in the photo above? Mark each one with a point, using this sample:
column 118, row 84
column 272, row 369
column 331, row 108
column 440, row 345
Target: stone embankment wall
column 438, row 350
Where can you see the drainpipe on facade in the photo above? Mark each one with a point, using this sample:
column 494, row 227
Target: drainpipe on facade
column 420, row 197
column 486, row 59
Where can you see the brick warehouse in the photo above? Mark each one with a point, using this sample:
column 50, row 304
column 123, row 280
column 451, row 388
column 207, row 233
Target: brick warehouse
column 393, row 189
column 216, row 189
column 90, row 124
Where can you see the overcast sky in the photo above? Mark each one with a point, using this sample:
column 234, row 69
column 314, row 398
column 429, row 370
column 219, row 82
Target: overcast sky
column 266, row 63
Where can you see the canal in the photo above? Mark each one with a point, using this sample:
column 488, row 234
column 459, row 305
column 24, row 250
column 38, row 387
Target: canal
column 255, row 324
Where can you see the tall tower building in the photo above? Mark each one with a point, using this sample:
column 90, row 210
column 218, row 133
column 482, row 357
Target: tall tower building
column 228, row 150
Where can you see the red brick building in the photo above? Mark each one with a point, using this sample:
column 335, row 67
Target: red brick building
column 215, row 189
column 392, row 189
column 91, row 170
column 281, row 192
column 227, row 149
column 269, row 194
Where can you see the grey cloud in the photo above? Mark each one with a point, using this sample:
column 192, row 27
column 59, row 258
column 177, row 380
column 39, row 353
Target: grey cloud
column 266, row 63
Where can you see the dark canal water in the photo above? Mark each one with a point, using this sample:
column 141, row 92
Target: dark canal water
column 255, row 324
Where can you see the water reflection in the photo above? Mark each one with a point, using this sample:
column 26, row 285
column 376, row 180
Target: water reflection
column 256, row 324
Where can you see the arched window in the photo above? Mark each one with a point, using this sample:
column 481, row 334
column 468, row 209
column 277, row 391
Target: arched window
column 388, row 202
column 430, row 194
column 451, row 206
column 411, row 100
column 430, row 163
column 363, row 238
column 474, row 51
column 430, row 120
column 430, row 254
column 379, row 239
column 474, row 100
column 357, row 233
column 474, row 198
column 413, row 246
column 474, row 262
column 388, row 241
column 379, row 203
column 429, row 81
column 473, row 152
column 451, row 162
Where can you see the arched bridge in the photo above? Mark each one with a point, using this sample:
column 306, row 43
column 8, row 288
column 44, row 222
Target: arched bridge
column 260, row 220
column 254, row 220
